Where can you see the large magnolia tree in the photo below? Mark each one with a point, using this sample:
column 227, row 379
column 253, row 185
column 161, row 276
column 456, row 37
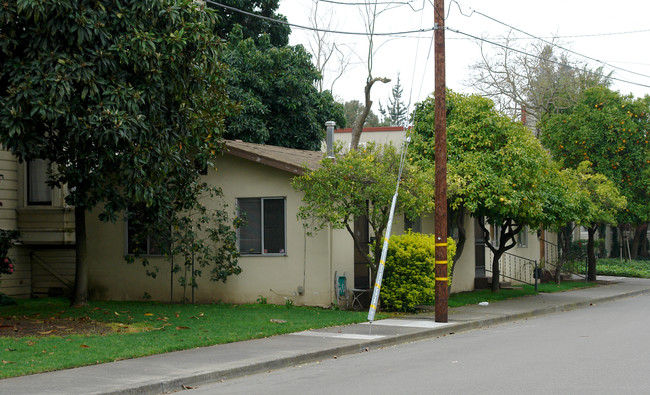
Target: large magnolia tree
column 123, row 97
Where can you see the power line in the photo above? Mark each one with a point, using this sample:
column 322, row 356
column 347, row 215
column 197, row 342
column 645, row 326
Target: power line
column 318, row 29
column 536, row 56
column 392, row 3
column 433, row 29
column 552, row 43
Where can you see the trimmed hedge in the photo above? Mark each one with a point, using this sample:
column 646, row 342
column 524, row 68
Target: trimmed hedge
column 409, row 274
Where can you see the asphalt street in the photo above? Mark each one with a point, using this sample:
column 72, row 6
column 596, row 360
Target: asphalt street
column 603, row 349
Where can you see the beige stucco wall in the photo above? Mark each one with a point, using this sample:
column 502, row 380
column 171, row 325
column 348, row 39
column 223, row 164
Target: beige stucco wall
column 379, row 137
column 465, row 270
column 310, row 261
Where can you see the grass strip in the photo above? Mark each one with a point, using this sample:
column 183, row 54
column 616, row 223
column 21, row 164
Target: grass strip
column 146, row 328
column 616, row 267
column 486, row 295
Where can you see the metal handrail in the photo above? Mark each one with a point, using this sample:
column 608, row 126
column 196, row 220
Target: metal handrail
column 553, row 262
column 517, row 268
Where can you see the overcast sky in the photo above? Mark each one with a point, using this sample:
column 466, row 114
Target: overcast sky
column 614, row 32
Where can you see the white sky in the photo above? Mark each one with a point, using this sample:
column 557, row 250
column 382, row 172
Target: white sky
column 409, row 55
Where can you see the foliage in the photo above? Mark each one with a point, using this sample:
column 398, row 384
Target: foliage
column 609, row 130
column 122, row 97
column 202, row 238
column 409, row 273
column 274, row 89
column 7, row 239
column 395, row 113
column 352, row 110
column 497, row 170
column 251, row 26
column 578, row 250
column 338, row 192
column 146, row 328
column 6, row 300
column 630, row 268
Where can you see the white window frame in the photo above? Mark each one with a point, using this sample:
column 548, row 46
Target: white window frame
column 283, row 251
column 522, row 237
column 37, row 183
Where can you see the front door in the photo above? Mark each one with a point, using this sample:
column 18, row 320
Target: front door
column 361, row 271
column 479, row 248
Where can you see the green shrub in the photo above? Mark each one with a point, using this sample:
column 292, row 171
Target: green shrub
column 578, row 254
column 409, row 277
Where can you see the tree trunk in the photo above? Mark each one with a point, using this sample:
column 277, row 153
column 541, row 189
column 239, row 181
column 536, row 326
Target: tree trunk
column 361, row 119
column 565, row 245
column 459, row 217
column 643, row 247
column 615, row 246
column 495, row 270
column 591, row 256
column 80, row 296
column 639, row 232
column 507, row 235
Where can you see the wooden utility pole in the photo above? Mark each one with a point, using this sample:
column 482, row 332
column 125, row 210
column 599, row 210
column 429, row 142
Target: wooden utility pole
column 441, row 291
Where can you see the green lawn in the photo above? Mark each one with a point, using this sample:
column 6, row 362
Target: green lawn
column 485, row 295
column 148, row 328
column 616, row 267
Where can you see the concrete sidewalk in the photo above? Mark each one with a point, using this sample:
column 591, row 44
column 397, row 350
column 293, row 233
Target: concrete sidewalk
column 178, row 370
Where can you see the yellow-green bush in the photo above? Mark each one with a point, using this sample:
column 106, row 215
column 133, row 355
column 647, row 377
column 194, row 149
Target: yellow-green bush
column 409, row 277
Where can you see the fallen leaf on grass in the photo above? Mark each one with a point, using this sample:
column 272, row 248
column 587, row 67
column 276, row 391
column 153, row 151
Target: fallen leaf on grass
column 47, row 332
column 30, row 343
column 182, row 327
column 84, row 346
column 148, row 314
column 10, row 349
column 3, row 361
column 277, row 321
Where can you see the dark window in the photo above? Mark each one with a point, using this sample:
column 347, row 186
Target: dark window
column 264, row 230
column 414, row 224
column 147, row 236
column 38, row 192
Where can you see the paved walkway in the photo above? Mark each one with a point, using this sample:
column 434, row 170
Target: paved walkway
column 178, row 370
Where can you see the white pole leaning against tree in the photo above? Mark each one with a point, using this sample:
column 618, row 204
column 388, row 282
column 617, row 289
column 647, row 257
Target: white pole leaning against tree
column 380, row 270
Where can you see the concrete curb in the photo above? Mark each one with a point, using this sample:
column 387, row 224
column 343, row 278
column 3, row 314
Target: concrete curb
column 198, row 378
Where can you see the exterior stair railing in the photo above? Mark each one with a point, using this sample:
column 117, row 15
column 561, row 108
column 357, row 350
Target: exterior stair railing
column 515, row 268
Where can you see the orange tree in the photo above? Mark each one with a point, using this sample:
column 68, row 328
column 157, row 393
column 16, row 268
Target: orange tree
column 497, row 171
column 611, row 131
column 362, row 183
